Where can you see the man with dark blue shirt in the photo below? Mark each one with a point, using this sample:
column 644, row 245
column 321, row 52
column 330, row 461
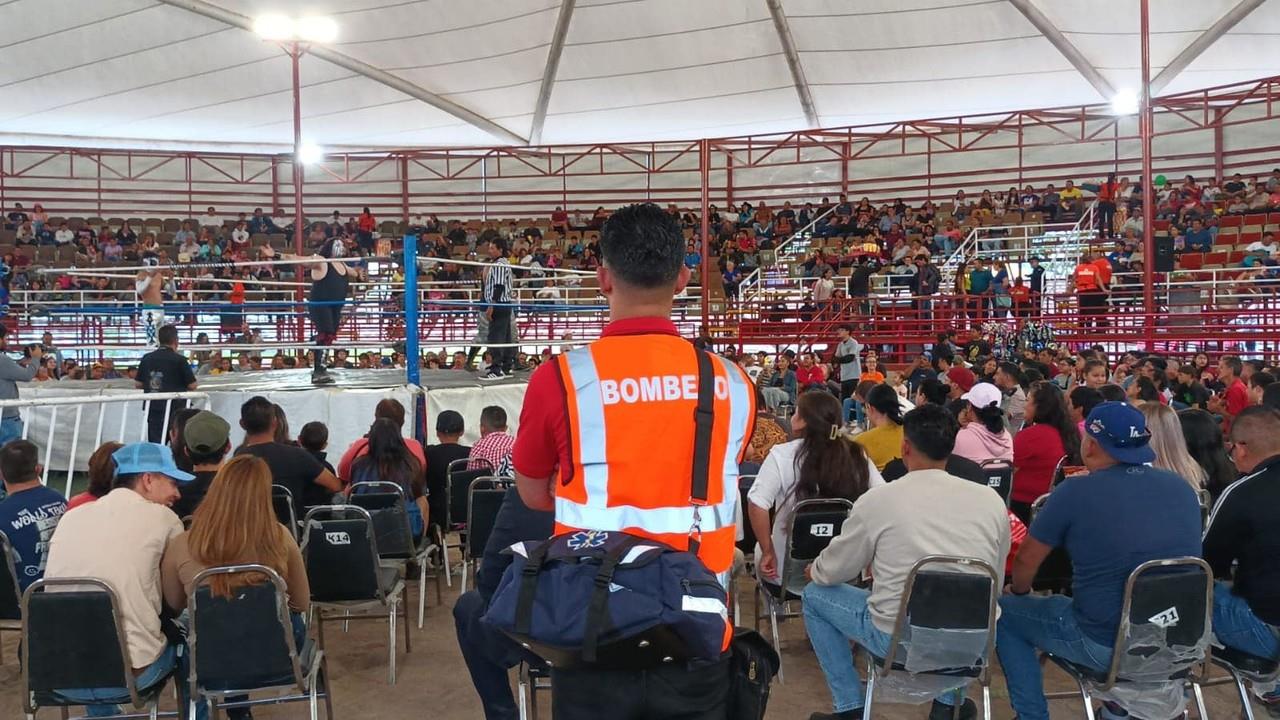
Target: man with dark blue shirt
column 487, row 652
column 1199, row 238
column 1150, row 514
column 30, row 511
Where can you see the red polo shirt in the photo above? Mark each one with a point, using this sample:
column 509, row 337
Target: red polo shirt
column 1237, row 399
column 542, row 442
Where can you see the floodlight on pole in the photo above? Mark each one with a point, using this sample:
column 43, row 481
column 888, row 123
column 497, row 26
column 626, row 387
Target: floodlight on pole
column 1125, row 102
column 310, row 153
column 309, row 29
column 274, row 27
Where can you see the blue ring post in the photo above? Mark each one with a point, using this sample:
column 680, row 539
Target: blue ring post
column 413, row 363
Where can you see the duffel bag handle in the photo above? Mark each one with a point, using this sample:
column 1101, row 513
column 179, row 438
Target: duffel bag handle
column 529, row 587
column 596, row 611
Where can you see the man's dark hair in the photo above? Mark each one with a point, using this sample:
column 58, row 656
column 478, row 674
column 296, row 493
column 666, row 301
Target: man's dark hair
column 1257, row 365
column 931, row 429
column 1271, row 396
column 642, row 246
column 256, row 415
column 847, row 327
column 167, row 335
column 1014, row 372
column 1233, row 362
column 1112, row 393
column 314, row 436
column 500, row 243
column 213, row 457
column 1261, row 379
column 494, row 417
column 1085, row 398
column 19, row 460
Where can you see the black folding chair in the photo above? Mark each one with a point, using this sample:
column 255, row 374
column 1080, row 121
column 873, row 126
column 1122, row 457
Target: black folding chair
column 74, row 638
column 458, row 480
column 1055, row 573
column 244, row 644
column 1170, row 598
column 341, row 554
column 945, row 632
column 484, row 499
column 10, row 596
column 748, row 542
column 999, row 475
column 814, row 524
column 387, row 505
column 286, row 514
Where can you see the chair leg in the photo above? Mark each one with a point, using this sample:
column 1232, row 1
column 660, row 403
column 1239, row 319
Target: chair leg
column 1088, row 700
column 777, row 643
column 986, row 701
column 755, row 595
column 444, row 559
column 522, row 687
column 466, row 567
column 315, row 703
column 871, row 688
column 404, row 608
column 422, row 592
column 318, row 619
column 328, row 689
column 1245, row 705
column 391, row 646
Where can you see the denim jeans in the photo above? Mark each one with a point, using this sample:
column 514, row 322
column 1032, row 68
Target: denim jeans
column 1028, row 623
column 10, row 429
column 1235, row 625
column 162, row 666
column 834, row 615
column 852, row 410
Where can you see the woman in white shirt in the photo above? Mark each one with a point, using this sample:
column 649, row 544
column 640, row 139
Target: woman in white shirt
column 819, row 463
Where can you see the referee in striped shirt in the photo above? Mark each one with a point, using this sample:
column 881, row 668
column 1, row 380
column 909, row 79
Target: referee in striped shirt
column 497, row 295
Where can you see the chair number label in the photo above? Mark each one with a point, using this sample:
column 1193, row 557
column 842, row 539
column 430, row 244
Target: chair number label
column 993, row 481
column 337, row 538
column 822, row 530
column 1165, row 619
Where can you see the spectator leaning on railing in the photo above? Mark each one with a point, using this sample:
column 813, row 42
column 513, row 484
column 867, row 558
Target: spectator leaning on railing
column 11, row 373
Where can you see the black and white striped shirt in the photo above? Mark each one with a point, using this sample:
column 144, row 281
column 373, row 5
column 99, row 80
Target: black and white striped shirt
column 497, row 282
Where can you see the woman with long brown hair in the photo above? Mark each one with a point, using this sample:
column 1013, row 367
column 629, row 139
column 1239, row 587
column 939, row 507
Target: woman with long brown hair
column 236, row 525
column 102, row 472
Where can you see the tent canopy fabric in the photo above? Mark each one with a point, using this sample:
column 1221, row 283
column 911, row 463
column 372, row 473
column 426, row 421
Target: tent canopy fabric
column 186, row 74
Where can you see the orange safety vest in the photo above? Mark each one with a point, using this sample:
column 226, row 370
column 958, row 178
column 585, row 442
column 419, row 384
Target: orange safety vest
column 1086, row 277
column 631, row 402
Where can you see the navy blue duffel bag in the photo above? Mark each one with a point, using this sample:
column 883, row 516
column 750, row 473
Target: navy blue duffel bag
column 610, row 600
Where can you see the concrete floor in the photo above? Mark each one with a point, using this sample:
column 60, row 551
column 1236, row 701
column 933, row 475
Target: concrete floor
column 433, row 683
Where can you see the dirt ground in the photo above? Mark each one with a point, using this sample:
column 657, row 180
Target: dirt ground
column 433, row 683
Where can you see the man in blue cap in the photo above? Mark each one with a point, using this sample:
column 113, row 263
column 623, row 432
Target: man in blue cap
column 120, row 539
column 1111, row 520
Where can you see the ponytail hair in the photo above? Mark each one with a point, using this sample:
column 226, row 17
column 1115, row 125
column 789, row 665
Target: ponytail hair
column 991, row 417
column 828, row 465
column 885, row 400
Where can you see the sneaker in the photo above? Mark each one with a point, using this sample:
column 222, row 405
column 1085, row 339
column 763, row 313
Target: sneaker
column 940, row 711
column 1111, row 711
column 1271, row 702
column 492, row 375
column 321, row 376
column 846, row 715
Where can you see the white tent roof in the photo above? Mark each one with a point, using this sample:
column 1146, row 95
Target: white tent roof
column 176, row 74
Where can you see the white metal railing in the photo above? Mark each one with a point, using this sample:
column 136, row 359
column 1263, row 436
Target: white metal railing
column 69, row 453
column 753, row 282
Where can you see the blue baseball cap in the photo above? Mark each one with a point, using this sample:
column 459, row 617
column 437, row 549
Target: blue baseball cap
column 1121, row 430
column 145, row 457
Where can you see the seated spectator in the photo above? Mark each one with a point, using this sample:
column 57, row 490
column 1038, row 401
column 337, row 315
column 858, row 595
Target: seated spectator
column 809, row 373
column 983, row 435
column 291, row 467
column 1189, row 392
column 120, row 540
column 1049, row 435
column 388, row 459
column 1169, row 446
column 768, row 433
column 449, row 429
column 29, row 511
column 820, row 463
column 1243, row 540
column 780, row 388
column 883, row 442
column 236, row 525
column 206, row 442
column 1203, row 436
column 495, row 443
column 102, row 473
column 1199, row 239
column 314, row 438
column 1160, row 519
column 888, row 533
column 1012, row 383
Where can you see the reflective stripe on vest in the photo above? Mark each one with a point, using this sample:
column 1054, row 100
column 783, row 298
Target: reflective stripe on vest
column 590, row 508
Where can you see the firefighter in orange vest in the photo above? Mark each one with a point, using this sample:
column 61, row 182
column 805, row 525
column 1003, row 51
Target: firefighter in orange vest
column 606, row 440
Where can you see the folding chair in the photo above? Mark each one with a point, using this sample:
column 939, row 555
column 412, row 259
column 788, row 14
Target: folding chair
column 458, row 479
column 531, row 679
column 245, row 644
column 945, row 632
column 282, row 503
column 1242, row 666
column 74, row 638
column 814, row 524
column 999, row 474
column 10, row 596
column 341, row 555
column 1163, row 636
column 386, row 503
column 484, row 499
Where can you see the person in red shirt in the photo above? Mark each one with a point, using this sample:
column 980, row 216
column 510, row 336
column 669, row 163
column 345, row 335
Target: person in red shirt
column 1046, row 437
column 365, row 225
column 1235, row 398
column 809, row 373
column 560, row 220
column 1091, row 288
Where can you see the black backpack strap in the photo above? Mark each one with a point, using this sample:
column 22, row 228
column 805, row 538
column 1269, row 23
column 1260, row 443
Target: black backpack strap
column 597, row 611
column 529, row 587
column 704, row 418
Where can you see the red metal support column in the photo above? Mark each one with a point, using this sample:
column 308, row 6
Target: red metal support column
column 728, row 180
column 844, row 168
column 704, row 168
column 1146, row 123
column 1218, row 146
column 275, row 185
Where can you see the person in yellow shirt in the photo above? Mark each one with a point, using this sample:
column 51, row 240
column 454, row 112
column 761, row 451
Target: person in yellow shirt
column 883, row 442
